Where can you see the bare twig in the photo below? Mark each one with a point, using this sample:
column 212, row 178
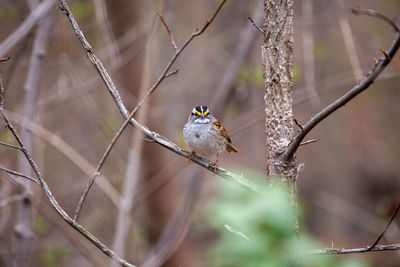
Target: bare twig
column 298, row 124
column 331, row 251
column 384, row 230
column 374, row 13
column 19, row 174
column 169, row 31
column 172, row 72
column 9, row 145
column 363, row 85
column 309, row 142
column 25, row 27
column 255, row 25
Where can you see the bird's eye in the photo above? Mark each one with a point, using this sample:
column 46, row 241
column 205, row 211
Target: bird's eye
column 206, row 113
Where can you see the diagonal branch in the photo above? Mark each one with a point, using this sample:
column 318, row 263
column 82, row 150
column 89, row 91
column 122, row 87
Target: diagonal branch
column 10, row 145
column 48, row 193
column 368, row 80
column 54, row 202
column 169, row 31
column 161, row 140
column 384, row 231
column 20, row 175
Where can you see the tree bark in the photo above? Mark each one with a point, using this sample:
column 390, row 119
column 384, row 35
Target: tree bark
column 277, row 63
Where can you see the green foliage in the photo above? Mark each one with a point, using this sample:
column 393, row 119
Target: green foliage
column 257, row 230
column 321, row 50
column 8, row 11
column 39, row 225
column 81, row 9
column 296, row 72
column 251, row 76
column 53, row 256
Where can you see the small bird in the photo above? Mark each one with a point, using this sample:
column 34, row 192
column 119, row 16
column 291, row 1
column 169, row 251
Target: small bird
column 205, row 135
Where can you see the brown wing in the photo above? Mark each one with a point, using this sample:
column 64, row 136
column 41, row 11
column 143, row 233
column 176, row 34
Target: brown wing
column 216, row 124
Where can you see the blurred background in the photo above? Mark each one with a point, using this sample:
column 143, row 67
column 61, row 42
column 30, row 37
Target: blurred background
column 150, row 204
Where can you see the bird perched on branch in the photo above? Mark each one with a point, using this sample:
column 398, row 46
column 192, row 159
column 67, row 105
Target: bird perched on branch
column 205, row 135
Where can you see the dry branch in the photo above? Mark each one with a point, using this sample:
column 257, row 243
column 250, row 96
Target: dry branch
column 49, row 195
column 332, row 251
column 384, row 230
column 9, row 145
column 157, row 138
column 19, row 174
column 363, row 85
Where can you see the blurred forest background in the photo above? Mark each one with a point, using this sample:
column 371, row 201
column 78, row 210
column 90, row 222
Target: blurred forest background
column 350, row 184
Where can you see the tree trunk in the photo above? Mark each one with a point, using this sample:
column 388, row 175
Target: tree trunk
column 277, row 63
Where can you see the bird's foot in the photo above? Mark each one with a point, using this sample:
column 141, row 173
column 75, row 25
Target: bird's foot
column 191, row 155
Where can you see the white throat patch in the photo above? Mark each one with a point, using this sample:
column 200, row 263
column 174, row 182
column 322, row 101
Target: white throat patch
column 202, row 120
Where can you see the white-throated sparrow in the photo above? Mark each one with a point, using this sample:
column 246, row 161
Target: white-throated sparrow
column 205, row 135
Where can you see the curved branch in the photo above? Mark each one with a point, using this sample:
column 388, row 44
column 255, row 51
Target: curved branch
column 368, row 80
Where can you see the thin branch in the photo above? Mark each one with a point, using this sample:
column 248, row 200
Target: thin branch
column 172, row 72
column 50, row 197
column 169, row 31
column 54, row 202
column 9, row 145
column 309, row 142
column 255, row 25
column 387, row 226
column 332, row 251
column 129, row 116
column 20, row 175
column 374, row 13
column 69, row 152
column 363, row 85
column 16, row 36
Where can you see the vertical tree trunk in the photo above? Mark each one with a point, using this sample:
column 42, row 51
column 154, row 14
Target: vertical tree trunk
column 277, row 57
column 23, row 225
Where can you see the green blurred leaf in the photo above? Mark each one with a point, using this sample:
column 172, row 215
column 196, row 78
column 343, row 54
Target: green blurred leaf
column 296, row 72
column 39, row 225
column 53, row 256
column 81, row 9
column 320, row 50
column 250, row 76
column 261, row 231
